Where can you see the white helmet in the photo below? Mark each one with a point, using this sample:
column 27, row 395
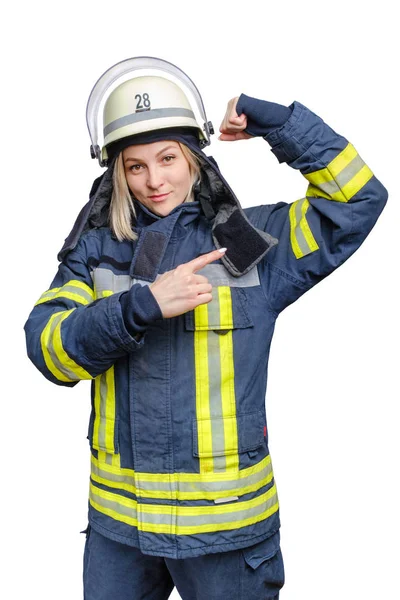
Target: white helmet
column 143, row 104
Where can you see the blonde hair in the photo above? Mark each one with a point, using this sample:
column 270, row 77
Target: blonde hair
column 122, row 207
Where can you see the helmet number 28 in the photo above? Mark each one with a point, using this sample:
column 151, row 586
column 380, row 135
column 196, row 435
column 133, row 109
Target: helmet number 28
column 143, row 102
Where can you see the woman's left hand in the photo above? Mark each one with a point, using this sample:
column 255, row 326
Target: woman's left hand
column 233, row 125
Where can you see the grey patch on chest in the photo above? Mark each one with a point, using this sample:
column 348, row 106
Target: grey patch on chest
column 104, row 280
column 218, row 275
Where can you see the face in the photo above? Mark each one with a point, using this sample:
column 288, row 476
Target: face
column 158, row 175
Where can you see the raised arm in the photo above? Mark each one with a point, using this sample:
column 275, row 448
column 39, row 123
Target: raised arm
column 343, row 200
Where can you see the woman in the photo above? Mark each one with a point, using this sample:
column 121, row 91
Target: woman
column 166, row 297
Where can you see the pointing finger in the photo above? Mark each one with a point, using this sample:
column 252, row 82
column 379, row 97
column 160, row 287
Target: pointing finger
column 205, row 259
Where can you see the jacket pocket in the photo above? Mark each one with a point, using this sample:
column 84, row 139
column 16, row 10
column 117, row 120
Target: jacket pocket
column 217, row 432
column 227, row 310
column 230, row 435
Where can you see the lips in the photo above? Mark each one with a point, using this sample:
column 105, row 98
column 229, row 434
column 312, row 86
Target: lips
column 159, row 198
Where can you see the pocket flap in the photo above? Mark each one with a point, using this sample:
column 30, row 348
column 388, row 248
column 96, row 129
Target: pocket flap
column 227, row 310
column 250, row 434
column 265, row 550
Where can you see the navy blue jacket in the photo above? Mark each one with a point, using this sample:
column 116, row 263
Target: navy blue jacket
column 178, row 431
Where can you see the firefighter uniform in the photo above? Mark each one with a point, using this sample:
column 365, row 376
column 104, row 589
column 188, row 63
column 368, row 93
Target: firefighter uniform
column 180, row 464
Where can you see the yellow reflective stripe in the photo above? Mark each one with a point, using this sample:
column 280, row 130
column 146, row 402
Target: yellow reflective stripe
column 293, row 240
column 201, row 316
column 182, row 486
column 343, row 159
column 202, row 394
column 358, row 181
column 185, row 477
column 80, row 293
column 225, row 305
column 304, row 226
column 109, row 458
column 314, row 192
column 199, row 477
column 57, row 360
column 128, row 510
column 301, row 237
column 106, row 293
column 228, row 382
column 97, row 403
column 110, row 409
column 105, row 412
column 63, row 357
column 344, row 176
column 100, row 494
column 45, row 342
column 215, row 391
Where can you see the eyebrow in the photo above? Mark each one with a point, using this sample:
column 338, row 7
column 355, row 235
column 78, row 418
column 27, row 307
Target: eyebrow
column 158, row 154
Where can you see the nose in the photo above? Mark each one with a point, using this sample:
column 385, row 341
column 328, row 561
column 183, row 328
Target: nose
column 155, row 178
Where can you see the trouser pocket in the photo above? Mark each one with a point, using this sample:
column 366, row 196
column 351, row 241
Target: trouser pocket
column 263, row 573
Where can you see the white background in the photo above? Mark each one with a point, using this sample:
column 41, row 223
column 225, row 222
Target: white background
column 332, row 400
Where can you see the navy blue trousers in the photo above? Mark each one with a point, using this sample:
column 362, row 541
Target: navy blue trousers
column 115, row 571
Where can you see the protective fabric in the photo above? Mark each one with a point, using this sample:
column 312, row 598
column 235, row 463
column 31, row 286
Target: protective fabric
column 113, row 570
column 178, row 433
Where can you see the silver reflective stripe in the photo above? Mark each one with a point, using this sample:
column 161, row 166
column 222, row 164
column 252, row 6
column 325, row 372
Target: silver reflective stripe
column 209, row 516
column 228, row 499
column 68, row 288
column 59, row 365
column 301, row 240
column 112, row 477
column 129, row 511
column 329, row 187
column 216, row 409
column 157, row 113
column 106, row 280
column 217, row 275
column 350, row 171
column 197, row 487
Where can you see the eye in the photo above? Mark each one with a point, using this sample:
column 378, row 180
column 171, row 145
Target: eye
column 168, row 158
column 135, row 168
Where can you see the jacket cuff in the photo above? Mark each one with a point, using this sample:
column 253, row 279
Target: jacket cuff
column 139, row 308
column 263, row 117
column 297, row 135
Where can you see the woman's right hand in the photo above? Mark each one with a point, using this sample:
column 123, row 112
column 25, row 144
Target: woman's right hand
column 233, row 125
column 181, row 289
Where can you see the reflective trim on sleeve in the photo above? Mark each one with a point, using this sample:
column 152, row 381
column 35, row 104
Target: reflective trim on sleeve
column 72, row 290
column 344, row 176
column 183, row 486
column 301, row 237
column 57, row 360
column 105, row 414
column 184, row 520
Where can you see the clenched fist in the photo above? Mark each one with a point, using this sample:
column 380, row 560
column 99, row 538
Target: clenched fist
column 181, row 289
column 233, row 125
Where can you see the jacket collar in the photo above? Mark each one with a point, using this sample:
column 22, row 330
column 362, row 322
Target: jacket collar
column 229, row 225
column 188, row 211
